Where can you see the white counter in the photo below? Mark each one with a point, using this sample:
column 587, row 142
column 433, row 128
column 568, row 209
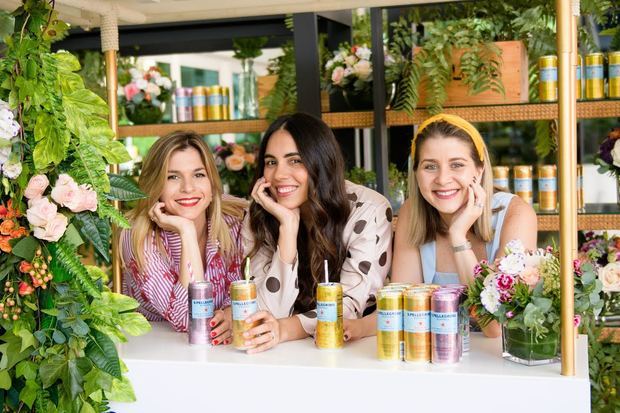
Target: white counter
column 168, row 375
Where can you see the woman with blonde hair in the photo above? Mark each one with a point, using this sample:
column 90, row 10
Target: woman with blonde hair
column 183, row 231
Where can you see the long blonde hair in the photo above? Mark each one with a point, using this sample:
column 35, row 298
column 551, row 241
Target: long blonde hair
column 152, row 180
column 425, row 222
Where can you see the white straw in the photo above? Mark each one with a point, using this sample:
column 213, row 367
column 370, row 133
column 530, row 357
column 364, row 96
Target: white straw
column 326, row 272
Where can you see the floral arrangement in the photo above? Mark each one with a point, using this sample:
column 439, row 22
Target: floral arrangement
column 522, row 290
column 608, row 158
column 59, row 322
column 236, row 164
column 144, row 93
column 604, row 250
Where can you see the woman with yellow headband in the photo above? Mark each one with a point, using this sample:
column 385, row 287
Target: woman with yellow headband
column 453, row 218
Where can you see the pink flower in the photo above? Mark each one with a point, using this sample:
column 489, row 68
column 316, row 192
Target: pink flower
column 509, row 314
column 577, row 267
column 87, row 199
column 40, row 211
column 66, row 192
column 530, row 276
column 477, row 270
column 577, row 320
column 25, row 289
column 337, row 75
column 505, row 282
column 235, row 162
column 36, row 186
column 53, row 230
column 131, row 89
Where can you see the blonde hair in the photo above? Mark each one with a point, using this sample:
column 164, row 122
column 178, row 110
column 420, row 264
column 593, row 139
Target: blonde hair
column 425, row 222
column 152, row 180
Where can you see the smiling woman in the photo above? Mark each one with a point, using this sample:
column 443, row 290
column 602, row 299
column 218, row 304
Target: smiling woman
column 184, row 231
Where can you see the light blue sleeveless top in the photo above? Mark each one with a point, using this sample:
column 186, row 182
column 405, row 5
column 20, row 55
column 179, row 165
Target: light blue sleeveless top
column 428, row 251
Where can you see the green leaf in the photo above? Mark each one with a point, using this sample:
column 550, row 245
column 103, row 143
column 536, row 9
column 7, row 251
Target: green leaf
column 97, row 231
column 66, row 62
column 97, row 380
column 87, row 408
column 101, row 137
column 72, row 236
column 106, row 210
column 123, row 188
column 27, row 338
column 52, row 140
column 102, row 352
column 543, row 304
column 80, row 107
column 5, row 380
column 122, row 391
column 51, row 311
column 120, row 302
column 11, row 350
column 26, row 369
column 70, row 82
column 58, row 337
column 65, row 260
column 74, row 377
column 51, row 369
column 134, row 324
column 29, row 393
column 7, row 24
column 26, row 248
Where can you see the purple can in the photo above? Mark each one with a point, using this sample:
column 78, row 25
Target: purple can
column 200, row 296
column 183, row 103
column 446, row 342
column 464, row 327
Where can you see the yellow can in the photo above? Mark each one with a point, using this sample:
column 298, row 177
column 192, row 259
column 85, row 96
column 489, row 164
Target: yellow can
column 215, row 103
column 614, row 75
column 244, row 304
column 199, row 103
column 417, row 329
column 523, row 182
column 578, row 76
column 501, row 176
column 548, row 78
column 581, row 205
column 390, row 324
column 595, row 83
column 226, row 103
column 547, row 188
column 329, row 328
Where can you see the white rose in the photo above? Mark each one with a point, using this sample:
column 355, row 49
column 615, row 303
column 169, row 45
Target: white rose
column 142, row 83
column 329, row 64
column 153, row 89
column 363, row 69
column 12, row 169
column 512, row 264
column 363, row 53
column 489, row 297
column 615, row 153
column 610, row 277
column 350, row 60
column 135, row 73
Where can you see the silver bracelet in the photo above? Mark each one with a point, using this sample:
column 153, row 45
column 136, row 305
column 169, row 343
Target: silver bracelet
column 463, row 247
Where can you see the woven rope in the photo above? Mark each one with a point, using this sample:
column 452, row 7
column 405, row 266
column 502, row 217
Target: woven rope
column 109, row 31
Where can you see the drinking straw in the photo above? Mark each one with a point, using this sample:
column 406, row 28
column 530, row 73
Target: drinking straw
column 326, row 272
column 246, row 271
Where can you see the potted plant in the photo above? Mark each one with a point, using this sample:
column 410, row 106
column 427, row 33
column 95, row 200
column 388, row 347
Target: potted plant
column 246, row 50
column 604, row 250
column 59, row 322
column 145, row 94
column 608, row 159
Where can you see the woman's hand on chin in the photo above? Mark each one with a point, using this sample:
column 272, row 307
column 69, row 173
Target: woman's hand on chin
column 466, row 216
column 167, row 222
column 286, row 217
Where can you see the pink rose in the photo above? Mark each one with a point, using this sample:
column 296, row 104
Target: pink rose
column 363, row 69
column 337, row 75
column 66, row 192
column 53, row 230
column 87, row 199
column 36, row 186
column 610, row 277
column 40, row 211
column 131, row 89
column 530, row 276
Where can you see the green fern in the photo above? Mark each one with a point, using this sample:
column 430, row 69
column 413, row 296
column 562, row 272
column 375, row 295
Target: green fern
column 64, row 258
column 283, row 97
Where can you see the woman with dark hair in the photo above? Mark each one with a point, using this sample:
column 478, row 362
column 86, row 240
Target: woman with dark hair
column 304, row 212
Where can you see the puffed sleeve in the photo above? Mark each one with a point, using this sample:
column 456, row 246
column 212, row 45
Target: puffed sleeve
column 368, row 236
column 276, row 281
column 157, row 287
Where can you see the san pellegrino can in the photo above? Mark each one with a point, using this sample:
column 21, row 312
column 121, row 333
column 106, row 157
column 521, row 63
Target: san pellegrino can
column 226, row 103
column 215, row 103
column 614, row 75
column 417, row 328
column 500, row 177
column 390, row 324
column 200, row 306
column 183, row 104
column 199, row 103
column 464, row 328
column 329, row 327
column 446, row 342
column 548, row 78
column 244, row 304
column 547, row 188
column 523, row 185
column 595, row 83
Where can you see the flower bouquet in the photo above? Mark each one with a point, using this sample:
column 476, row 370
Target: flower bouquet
column 144, row 95
column 604, row 250
column 608, row 158
column 522, row 292
column 236, row 164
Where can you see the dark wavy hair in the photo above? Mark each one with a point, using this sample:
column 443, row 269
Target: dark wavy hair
column 323, row 215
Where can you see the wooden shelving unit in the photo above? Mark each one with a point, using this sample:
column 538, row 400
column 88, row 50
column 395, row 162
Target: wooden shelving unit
column 340, row 120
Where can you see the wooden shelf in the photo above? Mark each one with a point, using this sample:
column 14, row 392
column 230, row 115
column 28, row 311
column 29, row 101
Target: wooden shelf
column 611, row 333
column 584, row 222
column 339, row 120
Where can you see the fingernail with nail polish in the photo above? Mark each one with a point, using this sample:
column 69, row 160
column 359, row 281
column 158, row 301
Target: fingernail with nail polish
column 213, row 334
column 215, row 342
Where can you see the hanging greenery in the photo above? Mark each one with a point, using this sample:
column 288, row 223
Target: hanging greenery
column 59, row 322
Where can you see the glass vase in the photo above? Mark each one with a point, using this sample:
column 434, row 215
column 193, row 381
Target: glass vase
column 145, row 114
column 522, row 346
column 248, row 100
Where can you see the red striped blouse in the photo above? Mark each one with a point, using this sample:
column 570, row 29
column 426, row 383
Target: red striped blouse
column 157, row 288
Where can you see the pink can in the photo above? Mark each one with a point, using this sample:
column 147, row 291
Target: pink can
column 183, row 103
column 201, row 307
column 446, row 342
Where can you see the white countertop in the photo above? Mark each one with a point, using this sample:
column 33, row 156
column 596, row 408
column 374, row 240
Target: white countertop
column 168, row 374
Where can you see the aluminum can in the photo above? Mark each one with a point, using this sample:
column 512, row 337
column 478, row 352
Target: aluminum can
column 446, row 342
column 523, row 182
column 183, row 104
column 417, row 325
column 390, row 324
column 614, row 75
column 501, row 176
column 200, row 305
column 578, row 77
column 595, row 83
column 215, row 103
column 464, row 327
column 244, row 304
column 581, row 205
column 548, row 78
column 226, row 103
column 199, row 103
column 329, row 326
column 547, row 188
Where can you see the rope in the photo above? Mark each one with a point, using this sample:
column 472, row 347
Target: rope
column 109, row 30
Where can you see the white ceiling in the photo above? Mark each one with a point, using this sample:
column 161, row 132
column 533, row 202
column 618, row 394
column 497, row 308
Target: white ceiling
column 87, row 13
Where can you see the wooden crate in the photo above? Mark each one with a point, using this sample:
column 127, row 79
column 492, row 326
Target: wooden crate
column 514, row 74
column 266, row 83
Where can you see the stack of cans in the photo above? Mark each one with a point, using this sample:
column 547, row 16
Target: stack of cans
column 202, row 103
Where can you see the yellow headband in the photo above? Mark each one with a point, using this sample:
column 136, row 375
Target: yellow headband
column 455, row 121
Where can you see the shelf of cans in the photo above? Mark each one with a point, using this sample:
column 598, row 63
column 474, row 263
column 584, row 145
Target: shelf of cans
column 596, row 85
column 202, row 103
